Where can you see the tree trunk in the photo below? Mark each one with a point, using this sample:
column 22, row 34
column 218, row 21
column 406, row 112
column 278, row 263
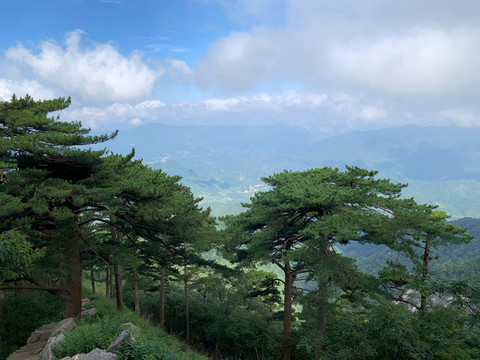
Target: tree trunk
column 321, row 326
column 135, row 292
column 118, row 286
column 187, row 310
column 107, row 282
column 92, row 275
column 3, row 297
column 287, row 312
column 117, row 238
column 425, row 273
column 162, row 298
column 74, row 282
column 110, row 280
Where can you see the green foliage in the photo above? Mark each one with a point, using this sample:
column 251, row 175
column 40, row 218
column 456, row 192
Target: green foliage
column 23, row 313
column 49, row 185
column 445, row 157
column 58, row 194
column 232, row 316
column 296, row 224
column 149, row 349
column 88, row 336
column 385, row 330
column 67, row 201
column 99, row 331
column 16, row 254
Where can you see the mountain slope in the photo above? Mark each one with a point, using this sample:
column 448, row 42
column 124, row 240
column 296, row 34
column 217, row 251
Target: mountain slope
column 461, row 260
column 224, row 164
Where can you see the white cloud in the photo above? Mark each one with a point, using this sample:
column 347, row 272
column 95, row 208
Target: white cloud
column 372, row 114
column 176, row 72
column 318, row 111
column 307, row 109
column 237, row 62
column 22, row 88
column 175, row 65
column 424, row 62
column 99, row 73
column 136, row 122
column 407, row 48
column 460, row 117
column 265, row 101
column 94, row 117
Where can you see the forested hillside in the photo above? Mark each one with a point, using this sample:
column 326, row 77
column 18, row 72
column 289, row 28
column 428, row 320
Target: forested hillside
column 460, row 261
column 72, row 216
column 223, row 164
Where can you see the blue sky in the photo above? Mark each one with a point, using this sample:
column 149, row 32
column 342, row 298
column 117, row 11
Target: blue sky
column 331, row 66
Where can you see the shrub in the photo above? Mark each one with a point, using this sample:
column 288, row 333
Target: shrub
column 89, row 336
column 22, row 314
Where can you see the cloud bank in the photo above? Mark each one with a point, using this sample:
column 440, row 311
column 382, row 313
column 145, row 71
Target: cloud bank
column 311, row 110
column 335, row 65
column 409, row 48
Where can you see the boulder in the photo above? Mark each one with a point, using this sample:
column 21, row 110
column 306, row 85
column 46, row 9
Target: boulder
column 96, row 354
column 51, row 330
column 63, row 326
column 124, row 338
column 90, row 312
column 48, row 352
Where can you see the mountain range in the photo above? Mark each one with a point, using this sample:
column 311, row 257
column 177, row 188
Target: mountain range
column 224, row 164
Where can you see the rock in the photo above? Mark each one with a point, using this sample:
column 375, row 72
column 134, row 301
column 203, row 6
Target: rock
column 89, row 312
column 96, row 354
column 41, row 342
column 51, row 330
column 29, row 351
column 63, row 326
column 86, row 301
column 48, row 351
column 124, row 338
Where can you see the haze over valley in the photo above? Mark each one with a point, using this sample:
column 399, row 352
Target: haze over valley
column 224, row 164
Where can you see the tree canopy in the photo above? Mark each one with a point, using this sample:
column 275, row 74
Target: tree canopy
column 66, row 208
column 54, row 191
column 297, row 223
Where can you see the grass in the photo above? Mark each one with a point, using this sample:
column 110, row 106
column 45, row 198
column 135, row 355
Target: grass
column 100, row 330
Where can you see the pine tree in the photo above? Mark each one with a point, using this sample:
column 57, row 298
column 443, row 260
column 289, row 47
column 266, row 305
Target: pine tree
column 296, row 224
column 419, row 231
column 47, row 184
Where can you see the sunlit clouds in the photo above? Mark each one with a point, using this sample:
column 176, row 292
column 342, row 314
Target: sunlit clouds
column 23, row 87
column 340, row 65
column 97, row 73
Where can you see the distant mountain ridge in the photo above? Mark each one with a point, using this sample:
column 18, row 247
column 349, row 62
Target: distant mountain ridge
column 461, row 260
column 224, row 164
column 423, row 153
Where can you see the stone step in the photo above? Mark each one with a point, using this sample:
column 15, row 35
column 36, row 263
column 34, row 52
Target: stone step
column 33, row 347
column 38, row 338
column 30, row 351
column 25, row 357
column 40, row 335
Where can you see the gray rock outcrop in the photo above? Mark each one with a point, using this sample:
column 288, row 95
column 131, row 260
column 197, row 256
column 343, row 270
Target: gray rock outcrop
column 89, row 312
column 39, row 340
column 96, row 354
column 124, row 338
column 42, row 341
column 48, row 352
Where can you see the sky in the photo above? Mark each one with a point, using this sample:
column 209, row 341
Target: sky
column 328, row 65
